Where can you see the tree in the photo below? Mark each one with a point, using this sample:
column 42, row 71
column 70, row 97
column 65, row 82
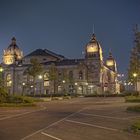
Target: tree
column 3, row 92
column 53, row 76
column 134, row 64
column 34, row 70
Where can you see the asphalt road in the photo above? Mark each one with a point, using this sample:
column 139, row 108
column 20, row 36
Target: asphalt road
column 75, row 119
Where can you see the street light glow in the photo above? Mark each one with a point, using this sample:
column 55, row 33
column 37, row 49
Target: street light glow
column 40, row 76
column 135, row 74
column 1, row 69
column 75, row 84
column 23, row 84
column 86, row 83
column 63, row 81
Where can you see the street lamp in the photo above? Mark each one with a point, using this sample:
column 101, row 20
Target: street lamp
column 1, row 76
column 1, row 69
column 76, row 86
column 40, row 77
column 135, row 75
column 64, row 90
column 23, row 85
column 86, row 88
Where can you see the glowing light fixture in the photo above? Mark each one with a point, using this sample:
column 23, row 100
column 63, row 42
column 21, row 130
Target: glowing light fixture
column 135, row 74
column 109, row 63
column 92, row 49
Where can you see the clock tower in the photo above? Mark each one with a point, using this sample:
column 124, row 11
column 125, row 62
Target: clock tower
column 94, row 60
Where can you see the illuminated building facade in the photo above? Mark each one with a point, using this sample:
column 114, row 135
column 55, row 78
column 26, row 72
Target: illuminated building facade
column 89, row 75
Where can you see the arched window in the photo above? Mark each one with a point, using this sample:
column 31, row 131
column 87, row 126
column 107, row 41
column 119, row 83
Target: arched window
column 46, row 76
column 8, row 80
column 46, row 79
column 80, row 75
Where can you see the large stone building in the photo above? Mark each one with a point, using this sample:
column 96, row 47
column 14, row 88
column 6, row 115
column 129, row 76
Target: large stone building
column 90, row 75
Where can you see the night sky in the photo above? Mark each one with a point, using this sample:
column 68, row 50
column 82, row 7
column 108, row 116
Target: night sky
column 65, row 26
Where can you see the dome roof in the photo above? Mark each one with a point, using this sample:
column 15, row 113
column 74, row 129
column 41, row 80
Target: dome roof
column 13, row 45
column 110, row 60
column 93, row 45
column 13, row 50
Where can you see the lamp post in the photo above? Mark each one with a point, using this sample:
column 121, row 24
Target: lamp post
column 1, row 69
column 1, row 75
column 23, row 86
column 135, row 75
column 76, row 87
column 40, row 77
column 64, row 87
column 86, row 88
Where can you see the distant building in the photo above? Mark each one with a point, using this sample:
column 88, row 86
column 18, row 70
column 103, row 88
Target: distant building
column 89, row 75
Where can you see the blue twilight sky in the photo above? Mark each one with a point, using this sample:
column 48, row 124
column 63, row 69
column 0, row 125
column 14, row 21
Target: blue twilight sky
column 65, row 26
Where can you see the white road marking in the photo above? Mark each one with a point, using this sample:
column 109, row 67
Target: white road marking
column 53, row 124
column 103, row 116
column 114, row 112
column 17, row 115
column 92, row 125
column 43, row 133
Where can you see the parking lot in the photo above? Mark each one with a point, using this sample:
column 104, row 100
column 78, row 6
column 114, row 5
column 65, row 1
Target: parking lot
column 75, row 119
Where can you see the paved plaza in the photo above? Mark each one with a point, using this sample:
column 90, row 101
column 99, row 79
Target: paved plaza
column 75, row 119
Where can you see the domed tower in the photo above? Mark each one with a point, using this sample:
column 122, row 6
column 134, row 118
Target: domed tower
column 94, row 61
column 111, row 63
column 93, row 49
column 12, row 53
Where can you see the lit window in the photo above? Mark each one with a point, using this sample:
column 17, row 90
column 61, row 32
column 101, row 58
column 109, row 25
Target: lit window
column 46, row 76
column 9, row 80
column 109, row 63
column 92, row 49
column 80, row 75
column 46, row 83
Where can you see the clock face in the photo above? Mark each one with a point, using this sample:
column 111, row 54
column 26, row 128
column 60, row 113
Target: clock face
column 109, row 63
column 92, row 49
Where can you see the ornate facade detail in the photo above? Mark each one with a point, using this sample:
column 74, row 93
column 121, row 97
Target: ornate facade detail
column 12, row 53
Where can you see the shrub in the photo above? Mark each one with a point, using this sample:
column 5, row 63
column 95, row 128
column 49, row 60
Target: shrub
column 136, row 127
column 3, row 95
column 18, row 99
column 52, row 95
column 134, row 108
column 132, row 99
column 128, row 93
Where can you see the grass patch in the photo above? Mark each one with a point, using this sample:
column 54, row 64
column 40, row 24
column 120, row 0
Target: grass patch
column 36, row 99
column 134, row 108
column 135, row 128
column 17, row 101
column 132, row 99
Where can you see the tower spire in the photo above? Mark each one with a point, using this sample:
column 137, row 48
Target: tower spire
column 13, row 41
column 110, row 53
column 93, row 29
